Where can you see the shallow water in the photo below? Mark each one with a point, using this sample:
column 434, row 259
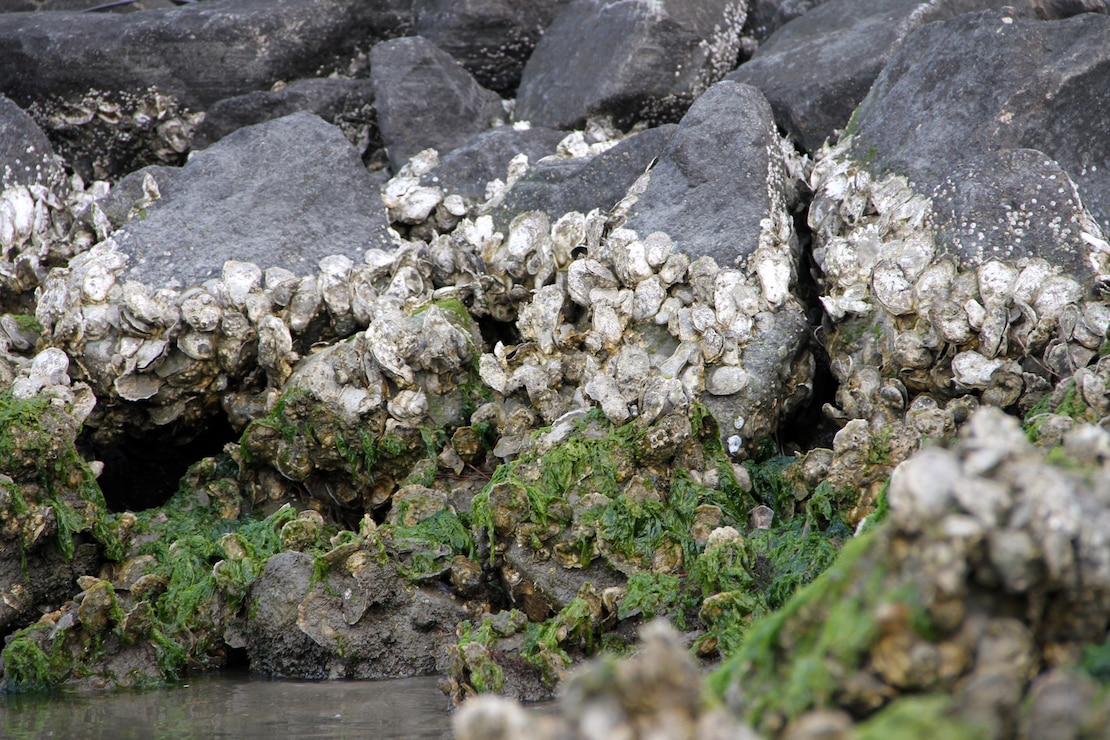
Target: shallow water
column 236, row 706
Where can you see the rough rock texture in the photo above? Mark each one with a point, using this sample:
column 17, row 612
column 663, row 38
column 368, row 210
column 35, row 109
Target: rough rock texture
column 116, row 92
column 818, row 67
column 361, row 621
column 25, row 153
column 996, row 253
column 492, row 39
column 347, row 104
column 285, row 193
column 1030, row 94
column 550, row 403
column 713, row 205
column 48, row 494
column 469, row 168
column 426, row 100
column 991, row 568
column 197, row 54
column 629, row 60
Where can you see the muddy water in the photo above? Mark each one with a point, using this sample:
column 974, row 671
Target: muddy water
column 238, row 707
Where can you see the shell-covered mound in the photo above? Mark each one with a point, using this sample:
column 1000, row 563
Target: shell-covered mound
column 977, row 603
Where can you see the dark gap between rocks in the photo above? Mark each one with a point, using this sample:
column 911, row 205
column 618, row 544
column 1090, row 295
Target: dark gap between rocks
column 143, row 472
column 809, row 427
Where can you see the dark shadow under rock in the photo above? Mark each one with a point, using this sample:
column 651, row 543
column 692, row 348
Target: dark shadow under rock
column 492, row 39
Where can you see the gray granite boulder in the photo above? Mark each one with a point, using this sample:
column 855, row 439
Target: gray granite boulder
column 426, row 99
column 818, row 67
column 491, row 38
column 285, row 193
column 1036, row 85
column 720, row 175
column 631, row 60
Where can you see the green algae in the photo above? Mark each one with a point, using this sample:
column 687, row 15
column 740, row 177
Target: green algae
column 430, row 544
column 575, row 626
column 1096, row 662
column 920, row 718
column 793, row 659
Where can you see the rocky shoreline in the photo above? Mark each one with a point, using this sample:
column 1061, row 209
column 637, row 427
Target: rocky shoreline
column 349, row 339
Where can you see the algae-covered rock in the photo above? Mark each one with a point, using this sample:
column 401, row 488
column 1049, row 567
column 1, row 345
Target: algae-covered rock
column 54, row 518
column 949, row 596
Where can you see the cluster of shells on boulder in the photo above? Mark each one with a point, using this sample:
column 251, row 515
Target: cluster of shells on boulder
column 918, row 337
column 127, row 130
column 629, row 323
column 932, row 323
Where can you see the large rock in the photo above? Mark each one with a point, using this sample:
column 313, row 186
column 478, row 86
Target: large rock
column 1036, row 86
column 722, row 173
column 359, row 621
column 281, row 194
column 198, row 54
column 562, row 185
column 955, row 230
column 345, row 103
column 426, row 100
column 492, row 39
column 118, row 92
column 818, row 67
column 629, row 60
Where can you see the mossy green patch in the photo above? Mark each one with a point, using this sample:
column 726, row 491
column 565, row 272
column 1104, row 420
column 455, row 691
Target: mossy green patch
column 204, row 578
column 1096, row 662
column 37, row 451
column 576, row 625
column 920, row 718
column 426, row 548
column 793, row 659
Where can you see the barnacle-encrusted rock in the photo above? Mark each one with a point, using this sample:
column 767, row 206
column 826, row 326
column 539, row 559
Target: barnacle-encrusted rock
column 991, row 567
column 940, row 318
column 653, row 693
column 49, row 499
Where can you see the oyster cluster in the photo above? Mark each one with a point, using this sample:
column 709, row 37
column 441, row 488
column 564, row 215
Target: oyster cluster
column 125, row 130
column 41, row 226
column 910, row 317
column 992, row 568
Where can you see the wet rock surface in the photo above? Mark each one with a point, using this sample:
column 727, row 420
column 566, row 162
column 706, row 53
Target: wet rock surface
column 487, row 406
